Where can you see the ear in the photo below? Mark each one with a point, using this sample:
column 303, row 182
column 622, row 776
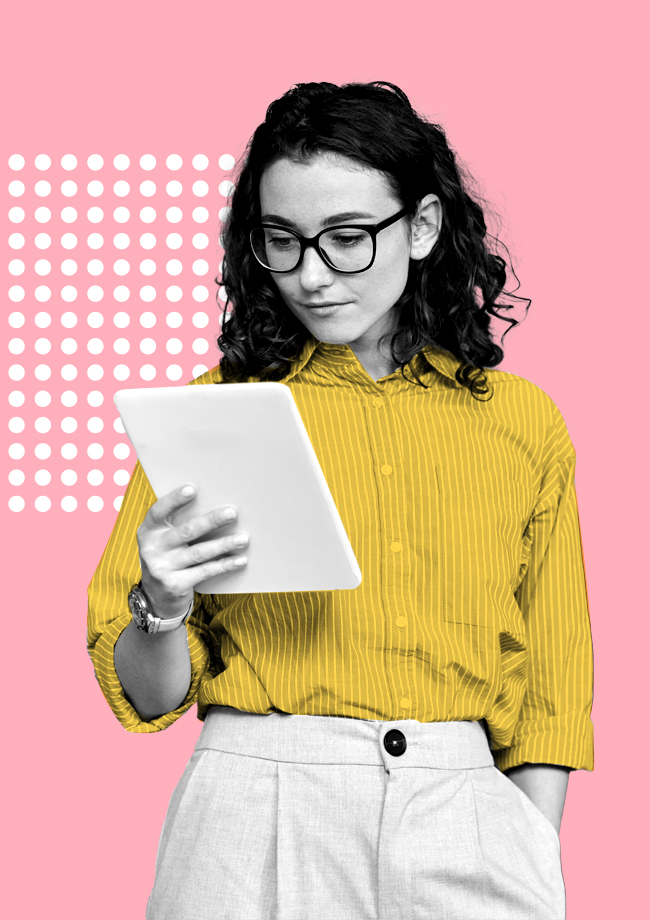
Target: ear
column 425, row 227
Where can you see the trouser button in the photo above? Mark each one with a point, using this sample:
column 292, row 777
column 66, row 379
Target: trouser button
column 395, row 742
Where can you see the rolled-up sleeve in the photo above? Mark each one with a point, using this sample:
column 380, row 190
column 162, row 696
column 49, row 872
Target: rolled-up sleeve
column 109, row 613
column 554, row 725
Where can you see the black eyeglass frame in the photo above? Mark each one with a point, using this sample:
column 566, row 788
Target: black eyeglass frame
column 312, row 241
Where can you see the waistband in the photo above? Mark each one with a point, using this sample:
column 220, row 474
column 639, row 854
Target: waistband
column 289, row 738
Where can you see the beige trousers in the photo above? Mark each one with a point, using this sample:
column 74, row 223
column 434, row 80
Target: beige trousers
column 291, row 817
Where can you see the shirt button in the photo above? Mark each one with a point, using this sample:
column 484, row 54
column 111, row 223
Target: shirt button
column 405, row 702
column 378, row 402
column 386, row 469
column 400, row 621
column 396, row 547
column 395, row 742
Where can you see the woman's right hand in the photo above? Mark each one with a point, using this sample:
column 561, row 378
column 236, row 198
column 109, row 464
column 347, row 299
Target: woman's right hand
column 170, row 566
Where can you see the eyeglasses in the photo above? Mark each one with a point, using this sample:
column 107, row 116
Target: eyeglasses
column 348, row 248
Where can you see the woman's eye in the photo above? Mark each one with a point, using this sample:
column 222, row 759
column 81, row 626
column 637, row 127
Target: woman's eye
column 282, row 242
column 348, row 239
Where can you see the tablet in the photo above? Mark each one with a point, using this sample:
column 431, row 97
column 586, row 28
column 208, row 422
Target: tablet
column 245, row 445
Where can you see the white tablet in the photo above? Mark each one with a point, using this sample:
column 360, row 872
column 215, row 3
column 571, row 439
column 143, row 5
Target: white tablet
column 245, row 445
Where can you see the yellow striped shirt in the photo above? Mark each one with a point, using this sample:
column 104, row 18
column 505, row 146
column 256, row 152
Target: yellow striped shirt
column 462, row 515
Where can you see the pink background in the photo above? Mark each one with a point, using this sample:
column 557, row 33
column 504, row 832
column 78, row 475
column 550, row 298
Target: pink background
column 544, row 104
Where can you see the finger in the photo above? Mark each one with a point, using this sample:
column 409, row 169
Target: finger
column 199, row 526
column 198, row 553
column 198, row 573
column 161, row 511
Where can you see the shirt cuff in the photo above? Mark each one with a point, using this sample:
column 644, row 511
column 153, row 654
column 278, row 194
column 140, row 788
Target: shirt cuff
column 104, row 662
column 566, row 740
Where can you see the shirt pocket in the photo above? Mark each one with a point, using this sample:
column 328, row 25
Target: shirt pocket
column 483, row 517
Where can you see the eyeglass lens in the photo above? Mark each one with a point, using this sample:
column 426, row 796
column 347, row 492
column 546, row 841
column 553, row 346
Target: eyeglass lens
column 347, row 249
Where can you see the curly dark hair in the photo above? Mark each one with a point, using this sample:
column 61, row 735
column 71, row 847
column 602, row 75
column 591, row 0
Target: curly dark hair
column 449, row 296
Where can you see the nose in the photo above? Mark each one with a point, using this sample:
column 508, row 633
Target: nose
column 314, row 272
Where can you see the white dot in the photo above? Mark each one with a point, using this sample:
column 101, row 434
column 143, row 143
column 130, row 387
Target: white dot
column 16, row 188
column 200, row 240
column 95, row 346
column 121, row 320
column 148, row 320
column 68, row 188
column 174, row 215
column 118, row 426
column 42, row 398
column 121, row 267
column 147, row 188
column 42, row 346
column 174, row 372
column 69, row 161
column 174, row 293
column 42, row 424
column 69, row 503
column 16, row 161
column 42, row 214
column 199, row 369
column 121, row 372
column 16, row 372
column 16, row 424
column 95, row 503
column 117, row 504
column 42, row 293
column 147, row 371
column 95, row 241
column 147, row 266
column 42, row 451
column 17, row 451
column 174, row 188
column 42, row 267
column 120, row 478
column 69, row 320
column 200, row 188
column 95, row 424
column 147, row 293
column 200, row 267
column 121, row 293
column 68, row 266
column 95, row 267
column 95, row 188
column 95, row 320
column 68, row 424
column 121, row 188
column 16, row 398
column 17, row 477
column 121, row 215
column 121, row 451
column 226, row 188
column 95, row 451
column 200, row 293
column 16, row 503
column 174, row 346
column 174, row 320
column 147, row 346
column 147, row 240
column 174, row 267
column 200, row 215
column 69, row 346
column 95, row 293
column 95, row 398
column 16, row 293
column 95, row 477
column 95, row 161
column 68, row 372
column 44, row 241
column 200, row 319
column 42, row 503
column 224, row 214
column 69, row 398
column 16, row 320
column 42, row 372
column 42, row 478
column 121, row 240
column 147, row 161
column 174, row 161
column 42, row 161
column 16, row 346
column 121, row 346
column 121, row 161
column 95, row 215
column 69, row 452
column 17, row 240
column 147, row 215
column 42, row 188
column 174, row 240
column 16, row 215
column 226, row 161
column 68, row 477
column 69, row 293
column 16, row 267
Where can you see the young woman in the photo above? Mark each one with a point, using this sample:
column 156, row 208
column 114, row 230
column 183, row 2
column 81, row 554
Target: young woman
column 401, row 750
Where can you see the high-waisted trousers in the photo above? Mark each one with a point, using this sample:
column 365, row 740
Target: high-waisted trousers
column 296, row 817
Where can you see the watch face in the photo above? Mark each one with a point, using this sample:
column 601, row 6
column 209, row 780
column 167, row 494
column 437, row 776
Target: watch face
column 138, row 610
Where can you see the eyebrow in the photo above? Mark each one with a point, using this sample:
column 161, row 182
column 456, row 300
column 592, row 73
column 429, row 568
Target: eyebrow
column 328, row 222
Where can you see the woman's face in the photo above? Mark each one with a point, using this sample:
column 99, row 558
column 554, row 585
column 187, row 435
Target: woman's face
column 312, row 195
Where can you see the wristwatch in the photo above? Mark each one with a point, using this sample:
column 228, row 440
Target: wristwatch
column 144, row 617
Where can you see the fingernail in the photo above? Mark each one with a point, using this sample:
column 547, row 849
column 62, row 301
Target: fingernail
column 229, row 514
column 186, row 491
